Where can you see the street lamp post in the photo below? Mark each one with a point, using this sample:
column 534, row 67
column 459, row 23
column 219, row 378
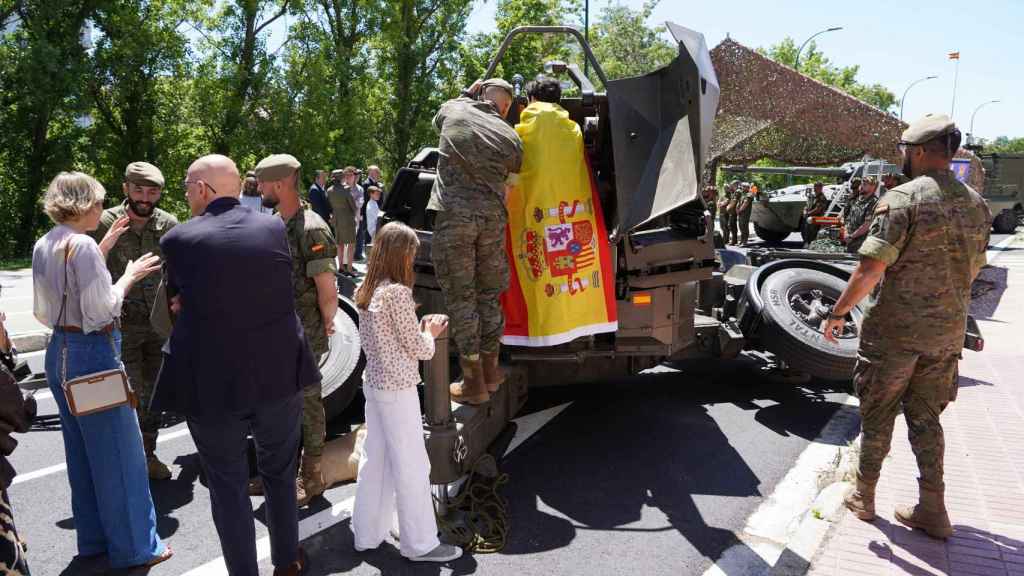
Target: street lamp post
column 912, row 84
column 796, row 65
column 980, row 106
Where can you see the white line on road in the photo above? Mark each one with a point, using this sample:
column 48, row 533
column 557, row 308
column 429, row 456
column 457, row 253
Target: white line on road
column 994, row 252
column 28, row 476
column 309, row 526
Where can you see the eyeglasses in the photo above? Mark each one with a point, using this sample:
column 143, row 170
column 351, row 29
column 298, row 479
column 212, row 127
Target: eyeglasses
column 187, row 182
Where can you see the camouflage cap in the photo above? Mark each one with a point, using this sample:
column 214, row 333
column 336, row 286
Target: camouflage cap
column 276, row 167
column 497, row 83
column 928, row 128
column 144, row 174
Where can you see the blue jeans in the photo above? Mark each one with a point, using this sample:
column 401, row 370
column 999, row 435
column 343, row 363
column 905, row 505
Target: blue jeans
column 110, row 497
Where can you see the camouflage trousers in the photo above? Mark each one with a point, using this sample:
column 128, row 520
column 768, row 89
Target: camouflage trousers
column 743, row 220
column 12, row 547
column 314, row 422
column 472, row 270
column 920, row 386
column 729, row 227
column 142, row 355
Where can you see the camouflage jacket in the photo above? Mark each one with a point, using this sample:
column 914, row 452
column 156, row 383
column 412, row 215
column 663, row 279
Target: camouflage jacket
column 932, row 234
column 138, row 302
column 313, row 252
column 816, row 205
column 858, row 211
column 478, row 152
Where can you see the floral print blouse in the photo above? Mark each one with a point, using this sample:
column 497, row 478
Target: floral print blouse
column 392, row 340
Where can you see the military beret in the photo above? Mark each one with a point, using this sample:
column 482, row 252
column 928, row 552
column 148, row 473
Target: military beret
column 497, row 83
column 276, row 167
column 928, row 128
column 144, row 174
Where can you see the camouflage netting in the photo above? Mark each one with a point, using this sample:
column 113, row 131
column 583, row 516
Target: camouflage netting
column 768, row 110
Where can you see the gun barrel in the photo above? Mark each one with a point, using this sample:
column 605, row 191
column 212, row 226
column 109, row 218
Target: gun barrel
column 792, row 170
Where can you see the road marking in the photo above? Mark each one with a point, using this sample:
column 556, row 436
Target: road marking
column 28, row 476
column 769, row 528
column 308, row 527
column 530, row 424
column 994, row 252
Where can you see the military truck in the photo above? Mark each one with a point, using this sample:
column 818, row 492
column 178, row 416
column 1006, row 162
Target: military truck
column 778, row 213
column 1004, row 190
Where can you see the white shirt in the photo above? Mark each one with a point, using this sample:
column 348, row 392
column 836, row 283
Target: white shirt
column 372, row 213
column 93, row 300
column 392, row 340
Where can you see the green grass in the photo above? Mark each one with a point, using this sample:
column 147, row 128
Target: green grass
column 15, row 264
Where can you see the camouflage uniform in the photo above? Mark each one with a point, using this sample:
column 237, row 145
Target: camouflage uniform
column 478, row 152
column 140, row 344
column 855, row 214
column 932, row 234
column 744, row 206
column 313, row 252
column 816, row 206
column 711, row 201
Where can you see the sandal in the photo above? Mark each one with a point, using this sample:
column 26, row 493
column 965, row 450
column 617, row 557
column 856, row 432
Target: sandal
column 161, row 558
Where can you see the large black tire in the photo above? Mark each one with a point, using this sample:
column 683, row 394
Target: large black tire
column 792, row 307
column 1005, row 222
column 768, row 235
column 342, row 366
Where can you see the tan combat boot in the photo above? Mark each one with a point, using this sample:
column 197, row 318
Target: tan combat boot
column 494, row 376
column 311, row 480
column 471, row 389
column 862, row 500
column 156, row 469
column 930, row 512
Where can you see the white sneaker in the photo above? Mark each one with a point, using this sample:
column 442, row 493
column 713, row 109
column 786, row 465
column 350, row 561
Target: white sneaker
column 442, row 553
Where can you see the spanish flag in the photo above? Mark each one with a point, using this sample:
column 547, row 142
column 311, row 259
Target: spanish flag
column 561, row 285
column 954, row 55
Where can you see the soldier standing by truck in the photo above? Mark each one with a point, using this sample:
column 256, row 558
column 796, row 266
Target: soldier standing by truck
column 744, row 205
column 136, row 227
column 313, row 251
column 857, row 213
column 816, row 205
column 479, row 150
column 927, row 239
column 727, row 209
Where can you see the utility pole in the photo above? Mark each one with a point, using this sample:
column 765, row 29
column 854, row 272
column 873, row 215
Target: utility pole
column 586, row 35
column 796, row 66
column 912, row 84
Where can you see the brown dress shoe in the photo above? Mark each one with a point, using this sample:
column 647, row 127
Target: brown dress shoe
column 494, row 376
column 471, row 389
column 296, row 568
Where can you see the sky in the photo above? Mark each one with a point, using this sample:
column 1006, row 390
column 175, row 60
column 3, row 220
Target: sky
column 893, row 42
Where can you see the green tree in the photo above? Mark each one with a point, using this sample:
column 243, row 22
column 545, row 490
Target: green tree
column 815, row 64
column 1005, row 145
column 625, row 45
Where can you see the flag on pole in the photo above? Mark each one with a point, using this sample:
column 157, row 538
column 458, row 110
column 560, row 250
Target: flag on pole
column 954, row 55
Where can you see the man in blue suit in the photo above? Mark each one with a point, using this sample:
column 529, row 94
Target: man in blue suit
column 237, row 360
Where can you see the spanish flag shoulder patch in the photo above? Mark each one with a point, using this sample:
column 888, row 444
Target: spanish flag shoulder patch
column 317, row 248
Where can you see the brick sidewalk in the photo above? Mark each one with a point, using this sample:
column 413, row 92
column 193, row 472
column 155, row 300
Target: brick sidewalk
column 984, row 466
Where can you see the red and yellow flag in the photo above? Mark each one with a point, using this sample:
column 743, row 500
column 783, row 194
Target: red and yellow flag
column 562, row 285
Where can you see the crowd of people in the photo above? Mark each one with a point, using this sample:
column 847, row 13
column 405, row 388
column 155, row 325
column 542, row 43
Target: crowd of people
column 175, row 304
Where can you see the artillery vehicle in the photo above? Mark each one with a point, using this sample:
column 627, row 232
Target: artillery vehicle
column 778, row 213
column 1004, row 190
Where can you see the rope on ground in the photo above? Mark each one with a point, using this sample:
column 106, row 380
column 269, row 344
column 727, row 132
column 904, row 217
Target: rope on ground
column 477, row 519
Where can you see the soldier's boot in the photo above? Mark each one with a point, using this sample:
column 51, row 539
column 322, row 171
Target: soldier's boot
column 156, row 469
column 862, row 500
column 494, row 376
column 471, row 389
column 311, row 480
column 930, row 512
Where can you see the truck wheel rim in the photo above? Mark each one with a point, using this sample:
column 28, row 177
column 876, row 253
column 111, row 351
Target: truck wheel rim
column 811, row 306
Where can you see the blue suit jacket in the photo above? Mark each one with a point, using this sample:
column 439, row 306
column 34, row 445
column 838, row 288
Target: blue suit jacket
column 237, row 343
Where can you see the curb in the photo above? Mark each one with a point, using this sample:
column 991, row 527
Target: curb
column 809, row 536
column 28, row 342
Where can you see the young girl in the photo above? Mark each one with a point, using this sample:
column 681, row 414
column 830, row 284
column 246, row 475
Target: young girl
column 394, row 468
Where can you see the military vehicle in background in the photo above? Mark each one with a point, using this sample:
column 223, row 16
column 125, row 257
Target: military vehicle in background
column 1004, row 190
column 778, row 213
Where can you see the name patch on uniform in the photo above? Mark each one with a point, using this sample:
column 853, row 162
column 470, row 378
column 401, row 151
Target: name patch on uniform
column 317, row 247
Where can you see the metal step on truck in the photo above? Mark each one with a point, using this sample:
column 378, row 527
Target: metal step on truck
column 677, row 296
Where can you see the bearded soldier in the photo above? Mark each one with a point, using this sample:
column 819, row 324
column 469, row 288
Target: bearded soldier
column 313, row 251
column 138, row 226
column 926, row 245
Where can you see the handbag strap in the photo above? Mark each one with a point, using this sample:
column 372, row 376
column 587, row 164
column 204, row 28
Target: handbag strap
column 60, row 322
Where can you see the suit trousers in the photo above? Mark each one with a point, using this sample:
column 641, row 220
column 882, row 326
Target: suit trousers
column 223, row 450
column 394, row 470
column 360, row 238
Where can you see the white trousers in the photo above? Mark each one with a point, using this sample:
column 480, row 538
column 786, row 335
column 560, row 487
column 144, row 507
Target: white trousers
column 394, row 469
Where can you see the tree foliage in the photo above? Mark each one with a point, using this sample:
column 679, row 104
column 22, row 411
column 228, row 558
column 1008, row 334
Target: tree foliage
column 815, row 64
column 1005, row 145
column 625, row 45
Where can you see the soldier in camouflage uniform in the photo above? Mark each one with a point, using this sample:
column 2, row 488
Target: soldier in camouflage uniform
column 857, row 213
column 928, row 239
column 744, row 206
column 313, row 251
column 479, row 150
column 727, row 210
column 816, row 205
column 139, row 225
